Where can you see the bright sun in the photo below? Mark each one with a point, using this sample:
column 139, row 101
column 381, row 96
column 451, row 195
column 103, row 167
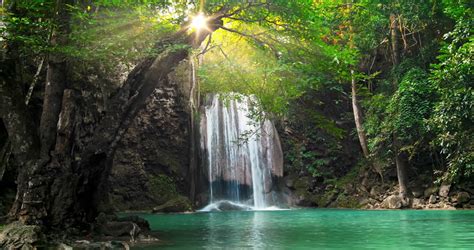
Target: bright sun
column 199, row 22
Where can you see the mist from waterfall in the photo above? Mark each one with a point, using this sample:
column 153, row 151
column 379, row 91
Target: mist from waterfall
column 242, row 155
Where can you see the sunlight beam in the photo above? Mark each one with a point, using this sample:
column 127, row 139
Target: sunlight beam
column 199, row 22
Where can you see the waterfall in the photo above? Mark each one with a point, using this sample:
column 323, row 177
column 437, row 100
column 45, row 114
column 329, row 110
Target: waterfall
column 242, row 156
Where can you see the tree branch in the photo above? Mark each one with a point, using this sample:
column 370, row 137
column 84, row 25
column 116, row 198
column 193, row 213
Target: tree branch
column 206, row 48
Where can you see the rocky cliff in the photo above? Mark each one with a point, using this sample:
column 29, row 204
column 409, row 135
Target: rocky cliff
column 151, row 165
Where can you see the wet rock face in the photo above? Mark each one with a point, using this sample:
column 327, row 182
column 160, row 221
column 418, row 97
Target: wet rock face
column 152, row 162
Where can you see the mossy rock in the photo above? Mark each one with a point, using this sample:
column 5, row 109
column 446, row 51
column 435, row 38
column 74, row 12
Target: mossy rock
column 346, row 201
column 301, row 185
column 19, row 236
column 326, row 199
column 350, row 178
column 162, row 188
column 178, row 204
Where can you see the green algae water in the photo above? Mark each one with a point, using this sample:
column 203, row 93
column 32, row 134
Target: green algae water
column 315, row 229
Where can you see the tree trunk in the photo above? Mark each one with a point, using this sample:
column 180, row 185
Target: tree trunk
column 192, row 135
column 68, row 189
column 401, row 160
column 358, row 118
column 54, row 88
column 21, row 130
column 56, row 81
column 395, row 36
column 357, row 111
column 402, row 167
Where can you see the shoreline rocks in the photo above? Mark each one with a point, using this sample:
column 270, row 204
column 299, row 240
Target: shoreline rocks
column 19, row 236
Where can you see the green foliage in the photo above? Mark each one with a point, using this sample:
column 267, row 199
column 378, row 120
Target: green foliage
column 302, row 156
column 404, row 114
column 431, row 111
column 453, row 118
column 411, row 105
column 457, row 9
column 119, row 38
column 27, row 27
column 281, row 51
column 237, row 66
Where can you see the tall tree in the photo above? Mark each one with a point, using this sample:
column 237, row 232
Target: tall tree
column 401, row 159
column 59, row 187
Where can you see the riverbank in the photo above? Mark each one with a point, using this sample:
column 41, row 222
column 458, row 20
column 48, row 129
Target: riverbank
column 362, row 188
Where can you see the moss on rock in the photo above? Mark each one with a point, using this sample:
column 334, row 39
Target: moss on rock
column 162, row 188
column 178, row 204
column 346, row 201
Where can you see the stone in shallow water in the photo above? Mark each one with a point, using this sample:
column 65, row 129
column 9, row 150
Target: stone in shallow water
column 179, row 204
column 226, row 206
column 229, row 206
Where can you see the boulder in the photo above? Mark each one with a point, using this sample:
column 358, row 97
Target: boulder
column 432, row 199
column 179, row 204
column 19, row 236
column 349, row 188
column 463, row 197
column 418, row 203
column 376, row 191
column 429, row 191
column 363, row 201
column 393, row 202
column 444, row 190
column 226, row 205
column 63, row 246
column 229, row 206
column 417, row 192
column 130, row 226
column 83, row 244
column 120, row 228
column 142, row 223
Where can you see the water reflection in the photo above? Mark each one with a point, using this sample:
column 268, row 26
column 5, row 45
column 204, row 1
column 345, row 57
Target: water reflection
column 315, row 229
column 257, row 230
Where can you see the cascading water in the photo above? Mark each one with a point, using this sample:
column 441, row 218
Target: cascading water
column 242, row 156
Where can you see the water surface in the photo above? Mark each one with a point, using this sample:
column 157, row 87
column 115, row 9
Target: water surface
column 315, row 228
